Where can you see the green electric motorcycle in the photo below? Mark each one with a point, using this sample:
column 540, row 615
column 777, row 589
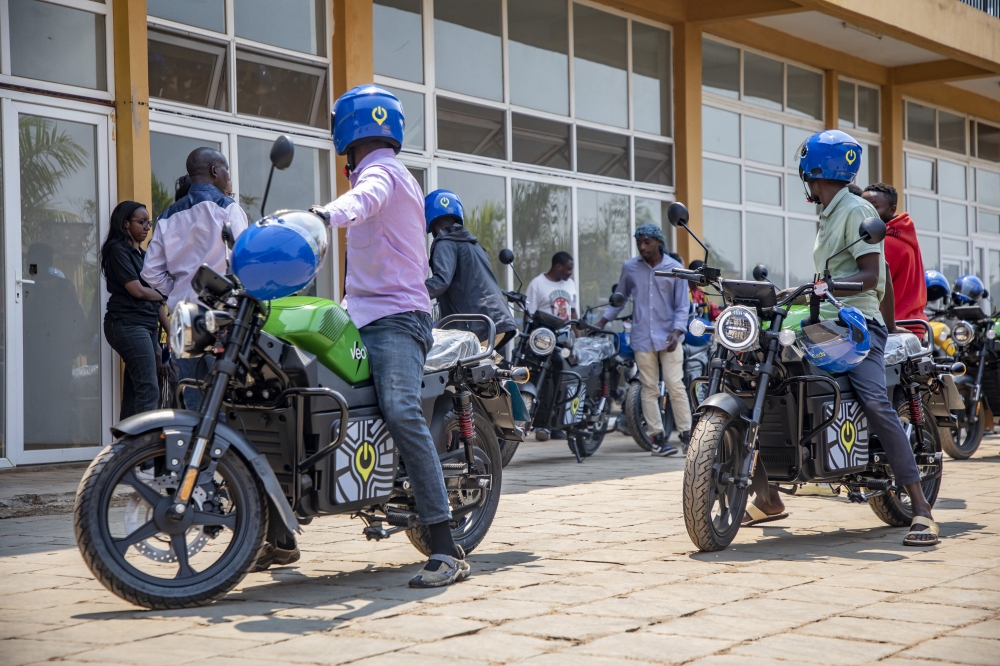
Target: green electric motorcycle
column 175, row 512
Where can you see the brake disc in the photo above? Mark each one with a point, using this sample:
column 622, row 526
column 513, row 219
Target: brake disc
column 138, row 513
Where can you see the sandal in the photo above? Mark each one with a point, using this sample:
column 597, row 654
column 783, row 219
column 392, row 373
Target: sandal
column 757, row 516
column 452, row 571
column 932, row 529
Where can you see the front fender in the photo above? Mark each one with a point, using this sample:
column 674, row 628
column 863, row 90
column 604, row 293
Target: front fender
column 528, row 388
column 725, row 402
column 188, row 420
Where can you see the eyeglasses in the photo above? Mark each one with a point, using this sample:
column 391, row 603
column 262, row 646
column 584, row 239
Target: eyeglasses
column 145, row 223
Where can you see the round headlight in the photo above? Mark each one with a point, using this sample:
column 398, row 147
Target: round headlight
column 962, row 333
column 542, row 341
column 737, row 328
column 181, row 332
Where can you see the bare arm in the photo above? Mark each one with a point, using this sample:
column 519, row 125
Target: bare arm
column 888, row 306
column 136, row 290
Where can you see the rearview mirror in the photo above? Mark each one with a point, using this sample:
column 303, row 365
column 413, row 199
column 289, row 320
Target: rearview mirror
column 617, row 299
column 282, row 152
column 872, row 231
column 677, row 214
column 506, row 257
column 760, row 273
column 227, row 235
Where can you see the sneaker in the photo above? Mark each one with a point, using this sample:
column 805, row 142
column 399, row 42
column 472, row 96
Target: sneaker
column 448, row 572
column 660, row 447
column 272, row 555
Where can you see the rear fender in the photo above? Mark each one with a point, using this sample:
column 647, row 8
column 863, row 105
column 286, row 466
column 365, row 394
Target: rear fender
column 723, row 402
column 187, row 420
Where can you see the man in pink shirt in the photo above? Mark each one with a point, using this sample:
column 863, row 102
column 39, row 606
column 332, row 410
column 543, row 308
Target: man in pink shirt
column 386, row 297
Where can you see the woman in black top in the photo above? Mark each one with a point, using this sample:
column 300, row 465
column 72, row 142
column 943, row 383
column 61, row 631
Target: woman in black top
column 133, row 309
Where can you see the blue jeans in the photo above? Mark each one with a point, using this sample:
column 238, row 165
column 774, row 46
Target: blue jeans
column 140, row 351
column 868, row 380
column 397, row 347
column 194, row 368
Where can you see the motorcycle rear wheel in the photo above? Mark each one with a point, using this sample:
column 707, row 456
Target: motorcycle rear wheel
column 962, row 442
column 714, row 505
column 632, row 409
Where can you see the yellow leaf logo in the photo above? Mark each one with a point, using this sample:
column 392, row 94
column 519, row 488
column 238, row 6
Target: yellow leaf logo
column 575, row 405
column 851, row 156
column 379, row 114
column 848, row 435
column 364, row 460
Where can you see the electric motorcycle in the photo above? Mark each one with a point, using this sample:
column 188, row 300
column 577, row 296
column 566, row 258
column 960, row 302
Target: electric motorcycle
column 289, row 429
column 769, row 405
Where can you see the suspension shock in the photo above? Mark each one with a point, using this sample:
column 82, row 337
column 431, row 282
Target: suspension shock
column 466, row 426
column 916, row 409
column 605, row 384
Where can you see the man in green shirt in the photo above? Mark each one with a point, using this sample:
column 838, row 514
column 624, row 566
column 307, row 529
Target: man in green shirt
column 828, row 162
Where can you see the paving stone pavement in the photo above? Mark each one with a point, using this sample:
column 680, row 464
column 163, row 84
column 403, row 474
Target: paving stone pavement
column 585, row 564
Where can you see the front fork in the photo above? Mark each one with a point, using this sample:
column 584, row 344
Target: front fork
column 977, row 388
column 765, row 368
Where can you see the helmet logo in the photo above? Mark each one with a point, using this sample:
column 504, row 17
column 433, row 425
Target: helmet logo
column 445, row 201
column 851, row 156
column 379, row 114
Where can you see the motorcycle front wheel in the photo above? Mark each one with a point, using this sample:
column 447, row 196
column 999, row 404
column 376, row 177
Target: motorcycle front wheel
column 139, row 554
column 637, row 422
column 964, row 440
column 713, row 503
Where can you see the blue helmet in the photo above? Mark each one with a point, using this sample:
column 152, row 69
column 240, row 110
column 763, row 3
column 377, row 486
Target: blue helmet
column 280, row 254
column 839, row 345
column 367, row 112
column 937, row 285
column 830, row 154
column 968, row 290
column 440, row 203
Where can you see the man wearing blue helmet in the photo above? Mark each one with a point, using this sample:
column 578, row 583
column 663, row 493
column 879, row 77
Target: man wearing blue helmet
column 461, row 278
column 828, row 162
column 386, row 297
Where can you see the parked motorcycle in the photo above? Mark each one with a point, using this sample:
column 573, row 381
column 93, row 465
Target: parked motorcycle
column 289, row 429
column 570, row 385
column 769, row 405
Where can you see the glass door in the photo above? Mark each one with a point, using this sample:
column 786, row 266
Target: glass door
column 56, row 203
column 169, row 147
column 988, row 270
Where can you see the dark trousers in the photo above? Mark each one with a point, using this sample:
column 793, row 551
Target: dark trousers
column 140, row 351
column 194, row 368
column 868, row 380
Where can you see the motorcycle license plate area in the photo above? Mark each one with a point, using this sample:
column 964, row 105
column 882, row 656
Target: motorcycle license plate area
column 843, row 447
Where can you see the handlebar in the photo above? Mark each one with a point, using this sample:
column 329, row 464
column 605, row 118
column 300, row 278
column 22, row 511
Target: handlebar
column 515, row 297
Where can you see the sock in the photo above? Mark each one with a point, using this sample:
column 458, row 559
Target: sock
column 442, row 543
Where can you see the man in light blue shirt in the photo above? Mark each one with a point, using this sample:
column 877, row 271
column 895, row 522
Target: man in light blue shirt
column 659, row 318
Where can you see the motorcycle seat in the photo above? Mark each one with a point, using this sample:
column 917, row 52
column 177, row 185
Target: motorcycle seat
column 450, row 346
column 592, row 350
column 900, row 346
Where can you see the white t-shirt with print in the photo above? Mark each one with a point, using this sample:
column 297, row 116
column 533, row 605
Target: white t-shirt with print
column 555, row 298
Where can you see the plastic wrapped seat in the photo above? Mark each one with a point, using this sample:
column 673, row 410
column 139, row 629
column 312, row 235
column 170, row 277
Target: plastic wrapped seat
column 592, row 350
column 450, row 345
column 900, row 346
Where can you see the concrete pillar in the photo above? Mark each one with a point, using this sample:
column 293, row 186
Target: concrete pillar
column 892, row 137
column 132, row 101
column 687, row 132
column 831, row 101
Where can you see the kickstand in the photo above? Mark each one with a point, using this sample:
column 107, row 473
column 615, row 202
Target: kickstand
column 575, row 445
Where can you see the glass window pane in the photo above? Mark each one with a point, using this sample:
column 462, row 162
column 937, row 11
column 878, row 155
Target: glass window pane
column 724, row 239
column 540, row 141
column 3, row 332
column 299, row 25
column 600, row 63
column 924, row 212
column 954, row 248
column 805, row 92
column 920, row 124
column 420, row 175
column 951, row 179
column 538, row 51
column 954, row 219
column 63, row 308
column 987, row 142
column 654, row 211
column 541, row 225
column 207, row 14
column 602, row 153
column 469, row 128
column 720, row 68
column 801, row 239
column 654, row 162
column 58, row 44
column 467, row 53
column 398, row 39
column 604, row 241
column 168, row 153
column 845, row 104
column 988, row 187
column 721, row 181
column 282, row 90
column 485, row 212
column 868, row 109
column 763, row 188
column 951, row 132
column 919, row 173
column 305, row 182
column 870, row 168
column 650, row 79
column 796, row 197
column 929, row 252
column 720, row 131
column 794, row 138
column 994, row 266
column 762, row 80
column 989, row 222
column 763, row 141
column 188, row 71
column 766, row 245
column 413, row 108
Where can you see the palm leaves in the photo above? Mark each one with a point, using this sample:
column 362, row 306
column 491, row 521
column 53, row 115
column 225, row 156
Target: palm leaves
column 47, row 158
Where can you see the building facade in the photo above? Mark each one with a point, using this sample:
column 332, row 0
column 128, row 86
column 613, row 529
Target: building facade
column 562, row 124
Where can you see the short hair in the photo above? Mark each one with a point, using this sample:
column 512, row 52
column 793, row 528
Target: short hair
column 561, row 258
column 884, row 188
column 696, row 265
column 201, row 160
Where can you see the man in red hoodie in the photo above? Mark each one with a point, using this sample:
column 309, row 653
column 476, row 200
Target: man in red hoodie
column 908, row 293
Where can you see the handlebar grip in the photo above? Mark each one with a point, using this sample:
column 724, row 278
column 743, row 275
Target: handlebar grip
column 848, row 286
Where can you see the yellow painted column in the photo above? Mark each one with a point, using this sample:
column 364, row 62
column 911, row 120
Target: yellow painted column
column 132, row 101
column 892, row 137
column 352, row 66
column 687, row 132
column 831, row 101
